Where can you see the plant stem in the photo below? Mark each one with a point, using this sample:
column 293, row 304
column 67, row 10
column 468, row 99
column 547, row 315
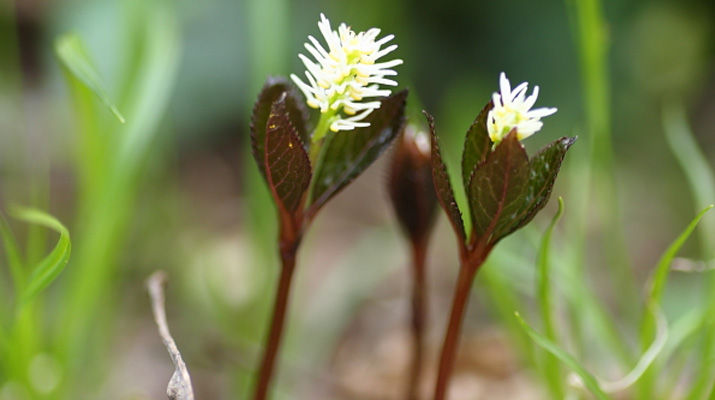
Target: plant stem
column 319, row 136
column 276, row 330
column 419, row 316
column 323, row 127
column 449, row 349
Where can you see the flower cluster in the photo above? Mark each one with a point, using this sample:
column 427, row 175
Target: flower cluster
column 504, row 187
column 345, row 74
column 512, row 109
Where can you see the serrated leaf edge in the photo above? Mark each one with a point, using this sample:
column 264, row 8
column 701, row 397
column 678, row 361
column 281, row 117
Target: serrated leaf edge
column 476, row 121
column 262, row 98
column 449, row 205
column 531, row 210
column 292, row 131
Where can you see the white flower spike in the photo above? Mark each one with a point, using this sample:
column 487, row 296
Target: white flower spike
column 512, row 109
column 343, row 76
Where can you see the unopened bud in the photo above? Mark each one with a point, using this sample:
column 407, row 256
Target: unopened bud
column 410, row 183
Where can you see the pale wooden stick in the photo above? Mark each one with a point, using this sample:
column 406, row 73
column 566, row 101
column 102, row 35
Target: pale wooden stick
column 179, row 387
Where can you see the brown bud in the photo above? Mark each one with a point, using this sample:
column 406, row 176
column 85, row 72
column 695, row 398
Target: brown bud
column 410, row 184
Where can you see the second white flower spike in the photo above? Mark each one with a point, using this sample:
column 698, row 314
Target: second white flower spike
column 512, row 109
column 345, row 74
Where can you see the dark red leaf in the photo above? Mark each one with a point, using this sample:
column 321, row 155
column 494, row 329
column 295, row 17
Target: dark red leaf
column 443, row 187
column 497, row 187
column 544, row 167
column 477, row 144
column 285, row 161
column 294, row 105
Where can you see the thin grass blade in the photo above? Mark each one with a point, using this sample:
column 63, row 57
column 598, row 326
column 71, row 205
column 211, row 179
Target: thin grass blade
column 551, row 370
column 12, row 255
column 73, row 55
column 54, row 263
column 588, row 380
column 701, row 180
column 660, row 276
column 653, row 300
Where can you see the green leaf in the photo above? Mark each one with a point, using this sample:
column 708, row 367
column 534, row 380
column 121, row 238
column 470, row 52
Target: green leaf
column 347, row 154
column 54, row 263
column 477, row 144
column 588, row 380
column 285, row 161
column 544, row 167
column 443, row 187
column 497, row 187
column 73, row 55
column 297, row 113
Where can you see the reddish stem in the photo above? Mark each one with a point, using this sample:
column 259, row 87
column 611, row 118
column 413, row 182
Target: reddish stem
column 471, row 259
column 451, row 340
column 419, row 316
column 276, row 330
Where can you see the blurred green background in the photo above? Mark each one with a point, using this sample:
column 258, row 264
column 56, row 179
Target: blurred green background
column 175, row 187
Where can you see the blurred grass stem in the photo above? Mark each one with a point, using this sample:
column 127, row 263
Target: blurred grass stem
column 110, row 164
column 701, row 181
column 544, row 290
column 595, row 183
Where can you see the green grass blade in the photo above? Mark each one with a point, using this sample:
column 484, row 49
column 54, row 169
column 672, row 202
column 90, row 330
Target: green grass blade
column 682, row 331
column 73, row 55
column 149, row 93
column 52, row 265
column 14, row 262
column 503, row 298
column 701, row 181
column 12, row 255
column 3, row 344
column 596, row 181
column 588, row 314
column 653, row 300
column 695, row 166
column 660, row 276
column 106, row 205
column 588, row 380
column 646, row 359
column 551, row 370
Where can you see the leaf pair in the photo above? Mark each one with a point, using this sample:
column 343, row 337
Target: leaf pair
column 505, row 188
column 280, row 140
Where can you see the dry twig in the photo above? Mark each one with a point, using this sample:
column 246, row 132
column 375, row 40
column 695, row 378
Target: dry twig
column 179, row 387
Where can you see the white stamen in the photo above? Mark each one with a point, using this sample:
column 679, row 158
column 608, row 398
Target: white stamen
column 345, row 72
column 512, row 109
